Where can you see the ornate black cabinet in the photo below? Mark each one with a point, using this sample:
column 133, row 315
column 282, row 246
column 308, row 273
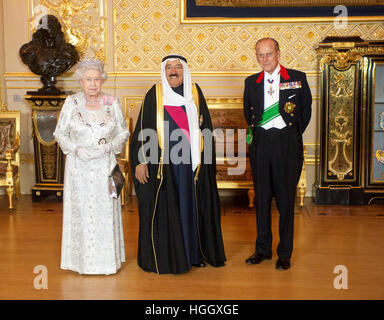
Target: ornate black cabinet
column 373, row 174
column 49, row 160
column 351, row 167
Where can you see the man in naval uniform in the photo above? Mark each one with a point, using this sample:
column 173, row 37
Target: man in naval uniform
column 277, row 108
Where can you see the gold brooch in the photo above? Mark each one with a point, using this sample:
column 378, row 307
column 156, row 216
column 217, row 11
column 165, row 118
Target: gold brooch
column 289, row 107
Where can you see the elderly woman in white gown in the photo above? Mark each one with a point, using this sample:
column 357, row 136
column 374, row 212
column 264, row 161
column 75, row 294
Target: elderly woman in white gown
column 90, row 131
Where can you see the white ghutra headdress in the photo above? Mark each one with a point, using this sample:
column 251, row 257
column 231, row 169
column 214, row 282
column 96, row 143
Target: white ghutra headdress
column 171, row 98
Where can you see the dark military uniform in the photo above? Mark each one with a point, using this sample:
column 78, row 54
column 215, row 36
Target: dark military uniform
column 276, row 155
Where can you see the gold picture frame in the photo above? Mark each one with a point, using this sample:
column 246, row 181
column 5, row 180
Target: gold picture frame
column 184, row 19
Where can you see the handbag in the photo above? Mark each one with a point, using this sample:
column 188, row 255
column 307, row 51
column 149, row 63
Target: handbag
column 118, row 179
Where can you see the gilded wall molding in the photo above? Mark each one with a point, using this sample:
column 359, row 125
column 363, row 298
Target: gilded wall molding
column 145, row 32
column 84, row 23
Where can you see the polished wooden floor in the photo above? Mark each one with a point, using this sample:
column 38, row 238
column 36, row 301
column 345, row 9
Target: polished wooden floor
column 325, row 237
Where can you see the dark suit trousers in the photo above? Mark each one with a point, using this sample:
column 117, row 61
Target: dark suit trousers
column 276, row 165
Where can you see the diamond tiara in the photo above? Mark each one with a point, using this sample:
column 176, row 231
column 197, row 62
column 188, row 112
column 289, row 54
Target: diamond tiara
column 91, row 62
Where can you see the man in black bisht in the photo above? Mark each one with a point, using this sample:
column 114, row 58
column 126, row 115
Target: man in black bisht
column 174, row 174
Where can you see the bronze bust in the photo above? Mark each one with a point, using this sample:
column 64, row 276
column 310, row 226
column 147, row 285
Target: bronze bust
column 48, row 54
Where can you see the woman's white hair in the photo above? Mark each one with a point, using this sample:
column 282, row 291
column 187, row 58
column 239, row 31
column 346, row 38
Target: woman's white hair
column 90, row 64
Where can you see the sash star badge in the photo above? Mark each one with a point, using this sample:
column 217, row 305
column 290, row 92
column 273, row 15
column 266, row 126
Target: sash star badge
column 289, row 107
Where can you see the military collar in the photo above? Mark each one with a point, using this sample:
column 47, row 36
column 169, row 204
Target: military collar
column 283, row 73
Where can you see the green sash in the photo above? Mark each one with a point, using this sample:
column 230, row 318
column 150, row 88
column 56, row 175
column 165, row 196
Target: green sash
column 269, row 114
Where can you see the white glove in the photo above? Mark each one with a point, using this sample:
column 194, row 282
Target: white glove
column 83, row 154
column 101, row 150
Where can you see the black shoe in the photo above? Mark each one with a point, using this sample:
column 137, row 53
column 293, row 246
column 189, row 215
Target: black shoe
column 256, row 258
column 283, row 263
column 201, row 264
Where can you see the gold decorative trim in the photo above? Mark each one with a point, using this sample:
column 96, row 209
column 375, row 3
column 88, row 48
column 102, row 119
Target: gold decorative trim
column 55, row 186
column 44, row 98
column 341, row 138
column 371, row 87
column 234, row 184
column 188, row 20
column 341, row 60
column 340, row 143
column 338, row 187
column 27, row 158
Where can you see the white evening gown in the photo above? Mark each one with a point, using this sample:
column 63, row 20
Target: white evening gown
column 92, row 238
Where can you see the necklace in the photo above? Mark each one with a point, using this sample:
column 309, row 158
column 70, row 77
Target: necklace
column 91, row 120
column 92, row 102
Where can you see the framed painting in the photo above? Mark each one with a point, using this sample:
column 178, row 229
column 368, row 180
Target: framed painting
column 243, row 11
